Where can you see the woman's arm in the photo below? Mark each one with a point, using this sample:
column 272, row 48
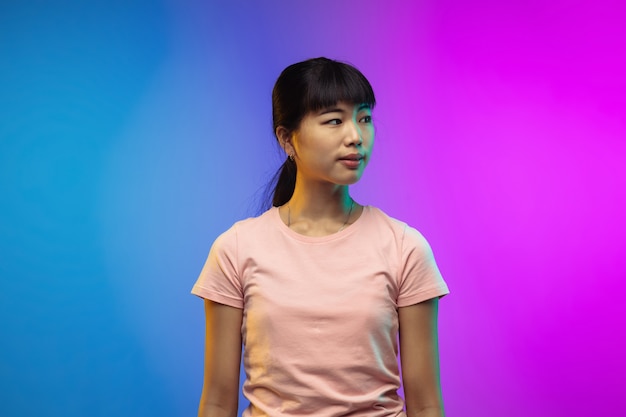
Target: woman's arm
column 222, row 357
column 419, row 355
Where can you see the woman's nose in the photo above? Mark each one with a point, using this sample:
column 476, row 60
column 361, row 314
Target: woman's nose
column 354, row 134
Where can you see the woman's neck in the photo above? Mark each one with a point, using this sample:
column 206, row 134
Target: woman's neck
column 320, row 209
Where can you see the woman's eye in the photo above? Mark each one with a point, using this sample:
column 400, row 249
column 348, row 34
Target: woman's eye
column 366, row 119
column 334, row 122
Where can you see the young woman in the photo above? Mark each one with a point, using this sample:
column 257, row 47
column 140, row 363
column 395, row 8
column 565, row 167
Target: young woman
column 318, row 288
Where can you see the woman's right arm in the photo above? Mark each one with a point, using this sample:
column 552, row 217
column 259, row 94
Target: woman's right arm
column 222, row 357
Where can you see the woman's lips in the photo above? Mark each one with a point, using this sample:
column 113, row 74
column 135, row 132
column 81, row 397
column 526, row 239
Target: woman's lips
column 352, row 161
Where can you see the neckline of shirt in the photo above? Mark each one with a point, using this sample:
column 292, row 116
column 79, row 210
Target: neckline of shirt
column 346, row 231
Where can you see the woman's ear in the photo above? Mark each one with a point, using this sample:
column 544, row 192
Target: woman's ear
column 284, row 138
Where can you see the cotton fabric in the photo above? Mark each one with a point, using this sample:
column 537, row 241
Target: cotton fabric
column 320, row 314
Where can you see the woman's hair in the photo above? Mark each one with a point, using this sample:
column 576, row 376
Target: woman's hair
column 305, row 87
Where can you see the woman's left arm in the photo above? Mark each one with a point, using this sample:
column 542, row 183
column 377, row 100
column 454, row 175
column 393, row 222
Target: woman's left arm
column 419, row 355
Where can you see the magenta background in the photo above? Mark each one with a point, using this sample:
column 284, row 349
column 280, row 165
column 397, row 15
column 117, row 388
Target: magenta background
column 134, row 133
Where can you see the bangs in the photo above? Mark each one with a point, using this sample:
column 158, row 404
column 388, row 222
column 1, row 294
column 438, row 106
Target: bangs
column 335, row 82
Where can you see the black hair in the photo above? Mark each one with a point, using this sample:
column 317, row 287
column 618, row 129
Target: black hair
column 305, row 87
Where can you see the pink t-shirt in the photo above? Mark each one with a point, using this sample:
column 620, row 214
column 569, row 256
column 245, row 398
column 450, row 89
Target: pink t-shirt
column 320, row 314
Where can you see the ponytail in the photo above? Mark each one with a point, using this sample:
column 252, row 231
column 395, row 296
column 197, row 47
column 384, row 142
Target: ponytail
column 285, row 184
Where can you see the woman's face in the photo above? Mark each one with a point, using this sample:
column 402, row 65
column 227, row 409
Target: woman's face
column 334, row 144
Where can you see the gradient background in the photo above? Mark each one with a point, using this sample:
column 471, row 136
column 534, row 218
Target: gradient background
column 133, row 133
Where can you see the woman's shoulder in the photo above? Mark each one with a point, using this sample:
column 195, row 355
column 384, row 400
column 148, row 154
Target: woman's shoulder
column 400, row 229
column 251, row 225
column 245, row 230
column 380, row 217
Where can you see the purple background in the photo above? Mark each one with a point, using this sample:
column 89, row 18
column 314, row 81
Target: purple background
column 133, row 133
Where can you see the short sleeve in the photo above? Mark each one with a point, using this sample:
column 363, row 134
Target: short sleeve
column 219, row 279
column 420, row 279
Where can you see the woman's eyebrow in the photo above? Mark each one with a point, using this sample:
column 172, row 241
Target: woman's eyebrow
column 331, row 110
